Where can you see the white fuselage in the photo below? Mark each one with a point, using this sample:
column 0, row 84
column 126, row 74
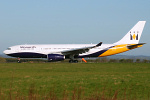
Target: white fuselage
column 53, row 49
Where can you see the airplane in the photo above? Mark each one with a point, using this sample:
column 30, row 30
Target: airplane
column 59, row 52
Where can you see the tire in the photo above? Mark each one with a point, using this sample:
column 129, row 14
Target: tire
column 70, row 61
column 75, row 61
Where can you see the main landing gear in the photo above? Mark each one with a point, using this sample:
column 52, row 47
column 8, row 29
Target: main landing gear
column 73, row 61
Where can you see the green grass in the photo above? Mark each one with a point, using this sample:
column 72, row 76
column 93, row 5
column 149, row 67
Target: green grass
column 127, row 80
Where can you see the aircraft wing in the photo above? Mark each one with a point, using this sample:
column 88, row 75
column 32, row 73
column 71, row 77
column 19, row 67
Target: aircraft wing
column 79, row 50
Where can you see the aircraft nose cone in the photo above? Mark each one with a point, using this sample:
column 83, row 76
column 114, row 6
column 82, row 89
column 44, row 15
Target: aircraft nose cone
column 5, row 51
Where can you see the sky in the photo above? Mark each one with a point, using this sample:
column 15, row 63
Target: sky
column 72, row 22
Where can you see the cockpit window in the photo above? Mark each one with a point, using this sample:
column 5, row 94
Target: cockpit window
column 8, row 48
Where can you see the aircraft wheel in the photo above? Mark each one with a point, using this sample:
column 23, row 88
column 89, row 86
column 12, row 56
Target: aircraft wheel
column 75, row 61
column 70, row 61
column 18, row 60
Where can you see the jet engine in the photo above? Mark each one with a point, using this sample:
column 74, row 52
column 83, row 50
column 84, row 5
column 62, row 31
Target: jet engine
column 55, row 57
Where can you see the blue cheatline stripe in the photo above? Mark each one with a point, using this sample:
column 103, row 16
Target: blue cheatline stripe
column 96, row 54
column 28, row 55
column 39, row 55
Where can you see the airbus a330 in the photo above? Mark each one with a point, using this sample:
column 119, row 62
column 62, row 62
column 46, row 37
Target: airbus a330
column 58, row 52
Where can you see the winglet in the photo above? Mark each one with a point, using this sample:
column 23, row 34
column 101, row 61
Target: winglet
column 99, row 44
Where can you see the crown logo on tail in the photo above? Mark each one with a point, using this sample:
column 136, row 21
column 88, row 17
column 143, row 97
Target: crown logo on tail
column 133, row 37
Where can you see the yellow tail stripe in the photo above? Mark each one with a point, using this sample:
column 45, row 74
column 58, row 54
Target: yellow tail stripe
column 115, row 50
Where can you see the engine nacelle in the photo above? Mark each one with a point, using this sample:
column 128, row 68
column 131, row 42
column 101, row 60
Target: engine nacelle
column 55, row 57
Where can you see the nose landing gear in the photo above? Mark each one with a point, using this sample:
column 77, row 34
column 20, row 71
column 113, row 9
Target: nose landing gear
column 18, row 60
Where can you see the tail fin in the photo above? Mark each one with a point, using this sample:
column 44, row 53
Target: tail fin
column 133, row 36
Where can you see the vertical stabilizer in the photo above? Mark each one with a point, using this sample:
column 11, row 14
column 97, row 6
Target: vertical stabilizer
column 133, row 36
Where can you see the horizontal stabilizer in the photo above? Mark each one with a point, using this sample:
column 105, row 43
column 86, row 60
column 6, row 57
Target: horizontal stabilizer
column 135, row 46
